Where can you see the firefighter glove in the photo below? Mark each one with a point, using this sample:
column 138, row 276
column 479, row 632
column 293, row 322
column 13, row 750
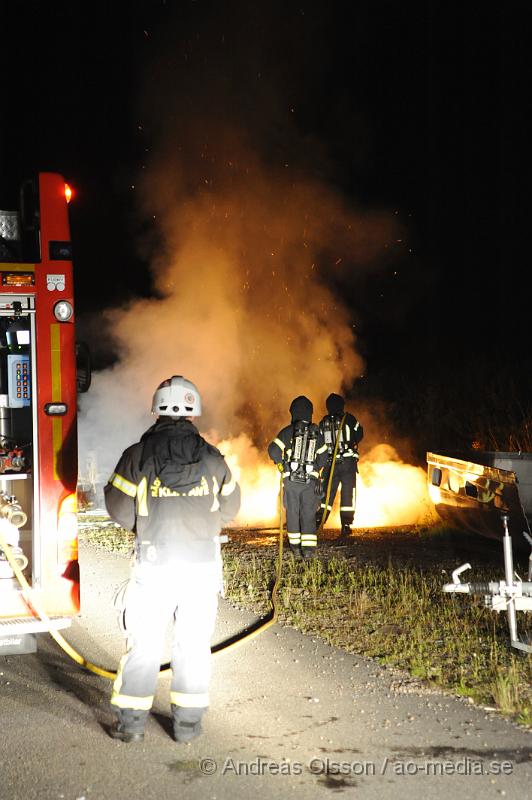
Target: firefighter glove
column 280, row 466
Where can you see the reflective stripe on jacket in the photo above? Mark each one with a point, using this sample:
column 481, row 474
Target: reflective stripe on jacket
column 175, row 496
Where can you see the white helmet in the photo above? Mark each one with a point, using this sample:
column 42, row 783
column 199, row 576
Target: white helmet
column 176, row 397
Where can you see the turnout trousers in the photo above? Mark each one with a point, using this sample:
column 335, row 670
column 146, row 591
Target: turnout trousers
column 186, row 596
column 345, row 473
column 301, row 502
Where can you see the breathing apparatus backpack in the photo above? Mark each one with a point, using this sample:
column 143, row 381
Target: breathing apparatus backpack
column 331, row 432
column 302, row 459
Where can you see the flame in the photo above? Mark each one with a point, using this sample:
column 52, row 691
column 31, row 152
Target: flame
column 389, row 492
column 258, row 479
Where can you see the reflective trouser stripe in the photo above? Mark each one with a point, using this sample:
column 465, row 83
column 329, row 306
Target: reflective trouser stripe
column 189, row 700
column 126, row 700
column 309, row 540
column 348, row 500
column 185, row 593
column 326, row 506
column 322, row 449
column 117, row 685
column 137, row 703
column 301, row 503
column 294, row 538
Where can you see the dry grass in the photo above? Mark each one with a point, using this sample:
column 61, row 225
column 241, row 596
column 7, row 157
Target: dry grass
column 393, row 612
column 396, row 614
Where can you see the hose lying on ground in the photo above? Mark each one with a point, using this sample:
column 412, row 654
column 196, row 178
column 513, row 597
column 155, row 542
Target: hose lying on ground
column 32, row 600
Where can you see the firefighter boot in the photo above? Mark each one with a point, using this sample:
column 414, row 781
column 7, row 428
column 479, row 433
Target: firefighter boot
column 130, row 725
column 346, row 530
column 294, row 540
column 187, row 723
column 309, row 545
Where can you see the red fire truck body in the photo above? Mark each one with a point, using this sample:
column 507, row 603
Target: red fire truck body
column 38, row 409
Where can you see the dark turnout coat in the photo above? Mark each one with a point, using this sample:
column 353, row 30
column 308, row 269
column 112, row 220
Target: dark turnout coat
column 352, row 430
column 174, row 491
column 300, row 499
column 280, row 450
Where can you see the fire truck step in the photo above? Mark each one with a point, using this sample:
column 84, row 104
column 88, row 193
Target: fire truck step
column 8, row 627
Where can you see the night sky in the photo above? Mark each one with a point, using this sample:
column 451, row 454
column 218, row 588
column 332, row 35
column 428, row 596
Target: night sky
column 415, row 109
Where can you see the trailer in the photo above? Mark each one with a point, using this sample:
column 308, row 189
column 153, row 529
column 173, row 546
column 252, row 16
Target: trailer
column 489, row 493
column 471, row 490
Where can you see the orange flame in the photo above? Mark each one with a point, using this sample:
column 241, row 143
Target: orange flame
column 389, row 492
column 258, row 479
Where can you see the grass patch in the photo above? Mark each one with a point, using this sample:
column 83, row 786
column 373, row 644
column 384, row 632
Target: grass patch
column 395, row 613
column 102, row 533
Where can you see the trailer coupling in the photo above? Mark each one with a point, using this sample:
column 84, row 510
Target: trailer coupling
column 510, row 595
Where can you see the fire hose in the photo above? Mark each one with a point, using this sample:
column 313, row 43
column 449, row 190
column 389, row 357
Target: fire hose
column 11, row 511
column 247, row 634
column 331, row 473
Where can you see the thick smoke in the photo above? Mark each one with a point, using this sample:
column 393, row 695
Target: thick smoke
column 252, row 249
column 244, row 307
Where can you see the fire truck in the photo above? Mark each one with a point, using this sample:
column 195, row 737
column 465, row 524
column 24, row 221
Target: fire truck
column 38, row 408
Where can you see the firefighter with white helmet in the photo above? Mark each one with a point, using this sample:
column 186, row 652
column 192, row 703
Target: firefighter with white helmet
column 342, row 433
column 299, row 452
column 175, row 491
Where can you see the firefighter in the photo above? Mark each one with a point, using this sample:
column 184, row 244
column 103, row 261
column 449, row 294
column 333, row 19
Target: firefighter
column 175, row 491
column 299, row 452
column 345, row 467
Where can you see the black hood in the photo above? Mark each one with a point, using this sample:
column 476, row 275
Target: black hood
column 301, row 408
column 174, row 448
column 335, row 404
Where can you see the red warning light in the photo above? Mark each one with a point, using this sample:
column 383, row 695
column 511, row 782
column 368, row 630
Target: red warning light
column 68, row 193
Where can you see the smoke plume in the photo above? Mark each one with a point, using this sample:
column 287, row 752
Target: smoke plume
column 244, row 306
column 254, row 255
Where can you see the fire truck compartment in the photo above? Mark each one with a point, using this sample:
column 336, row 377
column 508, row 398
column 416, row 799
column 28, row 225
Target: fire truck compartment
column 38, row 406
column 17, row 436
